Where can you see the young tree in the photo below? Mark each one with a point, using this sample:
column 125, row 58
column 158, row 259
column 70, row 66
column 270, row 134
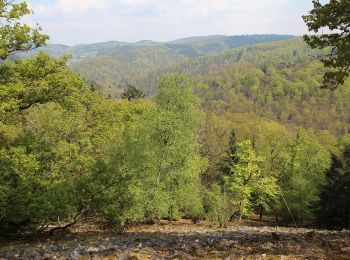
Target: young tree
column 218, row 205
column 129, row 164
column 231, row 155
column 213, row 135
column 303, row 175
column 131, row 92
column 247, row 183
column 333, row 16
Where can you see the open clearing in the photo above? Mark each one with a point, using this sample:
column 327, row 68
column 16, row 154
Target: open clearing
column 184, row 240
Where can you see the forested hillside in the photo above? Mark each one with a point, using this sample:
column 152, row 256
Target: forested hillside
column 279, row 81
column 112, row 65
column 137, row 135
column 143, row 65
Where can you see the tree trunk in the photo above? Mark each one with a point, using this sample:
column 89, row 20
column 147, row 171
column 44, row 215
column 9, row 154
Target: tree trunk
column 241, row 206
column 75, row 221
column 261, row 213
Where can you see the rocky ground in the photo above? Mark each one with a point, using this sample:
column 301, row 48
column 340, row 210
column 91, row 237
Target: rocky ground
column 183, row 240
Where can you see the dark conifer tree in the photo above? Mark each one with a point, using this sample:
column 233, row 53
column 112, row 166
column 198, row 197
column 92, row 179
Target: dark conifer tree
column 333, row 210
column 131, row 92
column 231, row 156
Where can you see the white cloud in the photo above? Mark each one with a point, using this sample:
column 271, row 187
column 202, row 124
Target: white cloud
column 42, row 9
column 79, row 21
column 161, row 8
column 227, row 5
column 74, row 6
column 135, row 2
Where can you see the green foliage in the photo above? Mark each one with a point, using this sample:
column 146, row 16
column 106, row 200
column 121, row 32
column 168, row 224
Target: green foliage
column 231, row 158
column 41, row 100
column 131, row 92
column 66, row 152
column 179, row 163
column 213, row 133
column 275, row 80
column 332, row 210
column 114, row 65
column 334, row 16
column 37, row 81
column 303, row 174
column 48, row 168
column 219, row 205
column 14, row 36
column 247, row 183
column 282, row 92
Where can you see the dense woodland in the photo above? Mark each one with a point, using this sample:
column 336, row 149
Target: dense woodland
column 277, row 80
column 246, row 131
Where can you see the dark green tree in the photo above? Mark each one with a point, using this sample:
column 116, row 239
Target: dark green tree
column 333, row 210
column 333, row 16
column 231, row 155
column 131, row 92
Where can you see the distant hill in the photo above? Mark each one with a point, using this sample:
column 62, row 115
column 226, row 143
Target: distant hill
column 192, row 46
column 111, row 65
column 143, row 65
column 198, row 46
column 277, row 80
column 270, row 76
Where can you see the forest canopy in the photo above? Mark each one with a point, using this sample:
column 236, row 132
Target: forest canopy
column 247, row 132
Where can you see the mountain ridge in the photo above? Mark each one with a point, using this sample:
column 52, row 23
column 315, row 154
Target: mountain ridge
column 190, row 46
column 182, row 39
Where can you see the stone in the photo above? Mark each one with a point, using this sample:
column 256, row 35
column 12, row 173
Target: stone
column 92, row 250
column 124, row 256
column 222, row 244
column 345, row 250
column 76, row 253
column 196, row 246
column 57, row 248
column 96, row 257
column 133, row 258
column 310, row 234
column 267, row 246
column 276, row 236
column 47, row 256
column 162, row 246
column 183, row 256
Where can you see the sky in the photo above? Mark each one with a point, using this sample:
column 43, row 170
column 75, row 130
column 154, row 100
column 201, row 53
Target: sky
column 89, row 21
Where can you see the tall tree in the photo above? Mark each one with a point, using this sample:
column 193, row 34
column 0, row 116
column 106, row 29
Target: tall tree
column 232, row 157
column 303, row 174
column 176, row 146
column 213, row 133
column 333, row 16
column 333, row 209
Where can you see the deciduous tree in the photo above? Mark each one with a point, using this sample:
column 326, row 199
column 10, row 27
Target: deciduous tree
column 334, row 17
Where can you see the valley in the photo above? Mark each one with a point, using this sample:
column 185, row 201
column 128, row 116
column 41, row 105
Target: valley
column 205, row 147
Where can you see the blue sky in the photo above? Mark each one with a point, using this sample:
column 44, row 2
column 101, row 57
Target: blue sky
column 88, row 21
